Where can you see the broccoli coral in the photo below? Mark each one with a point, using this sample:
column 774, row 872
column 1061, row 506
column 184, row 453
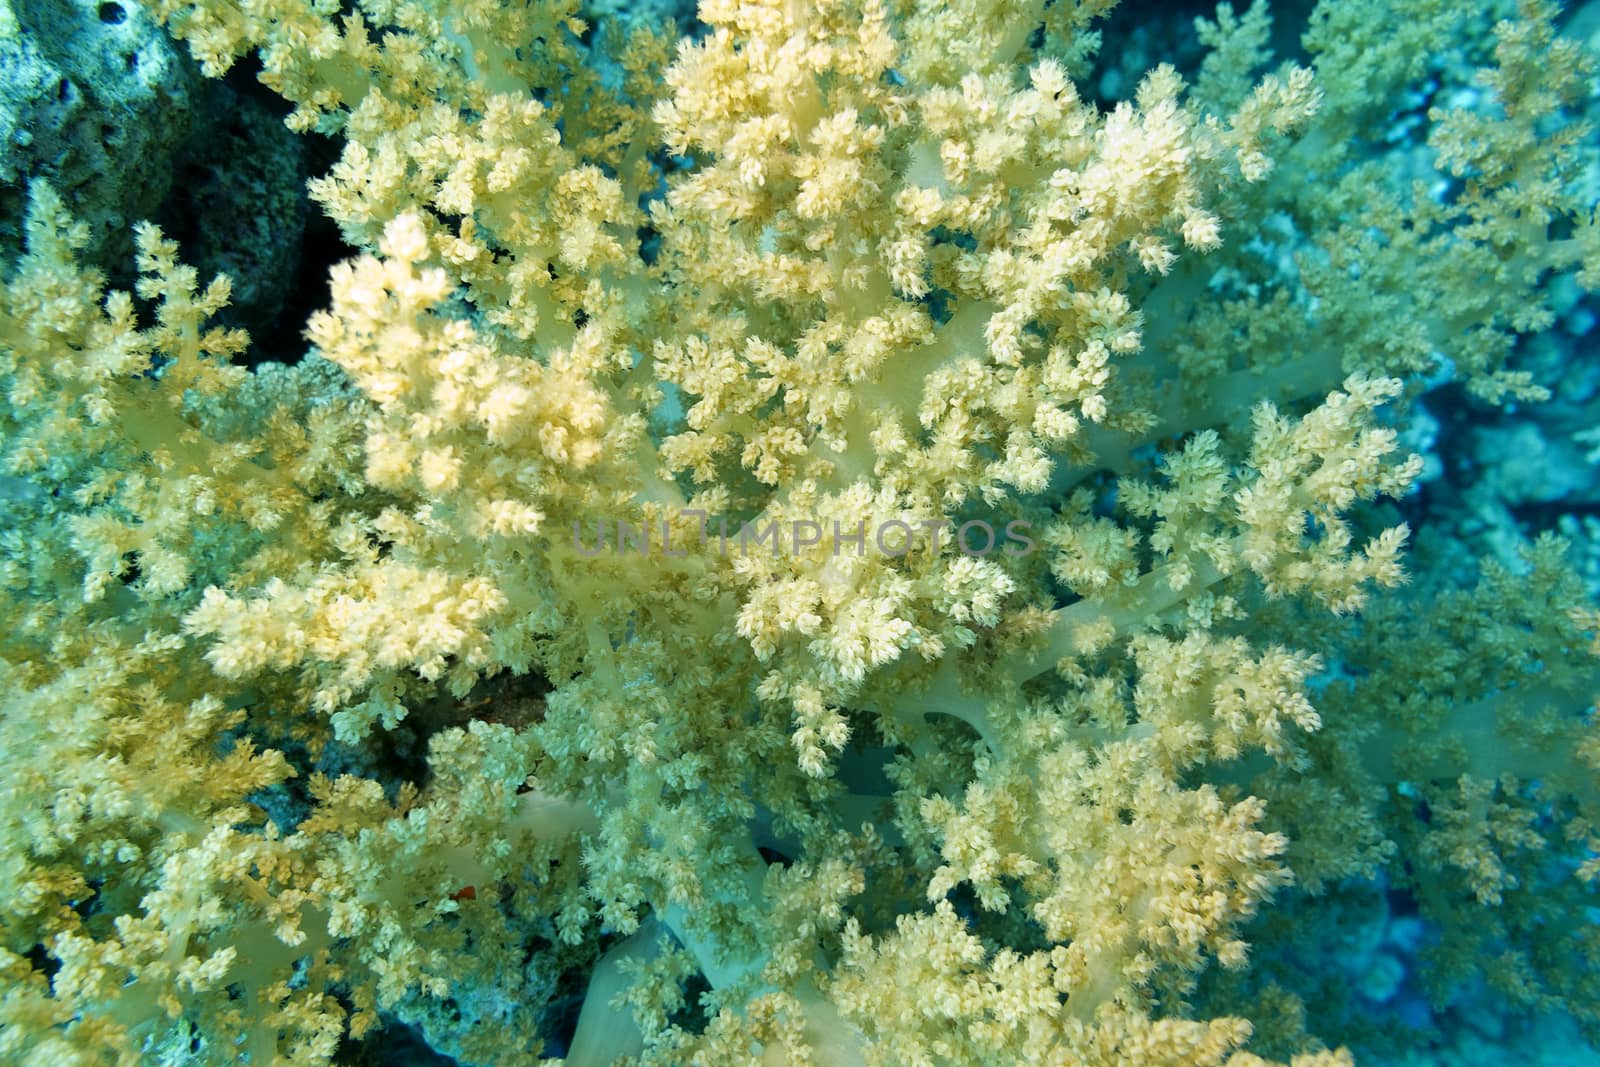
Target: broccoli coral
column 819, row 541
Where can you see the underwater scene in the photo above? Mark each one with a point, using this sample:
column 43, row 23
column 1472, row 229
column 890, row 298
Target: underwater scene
column 768, row 533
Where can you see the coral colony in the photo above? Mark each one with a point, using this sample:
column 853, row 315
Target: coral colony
column 850, row 532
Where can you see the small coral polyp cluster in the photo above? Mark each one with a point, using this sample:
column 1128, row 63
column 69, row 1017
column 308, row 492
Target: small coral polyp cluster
column 323, row 714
